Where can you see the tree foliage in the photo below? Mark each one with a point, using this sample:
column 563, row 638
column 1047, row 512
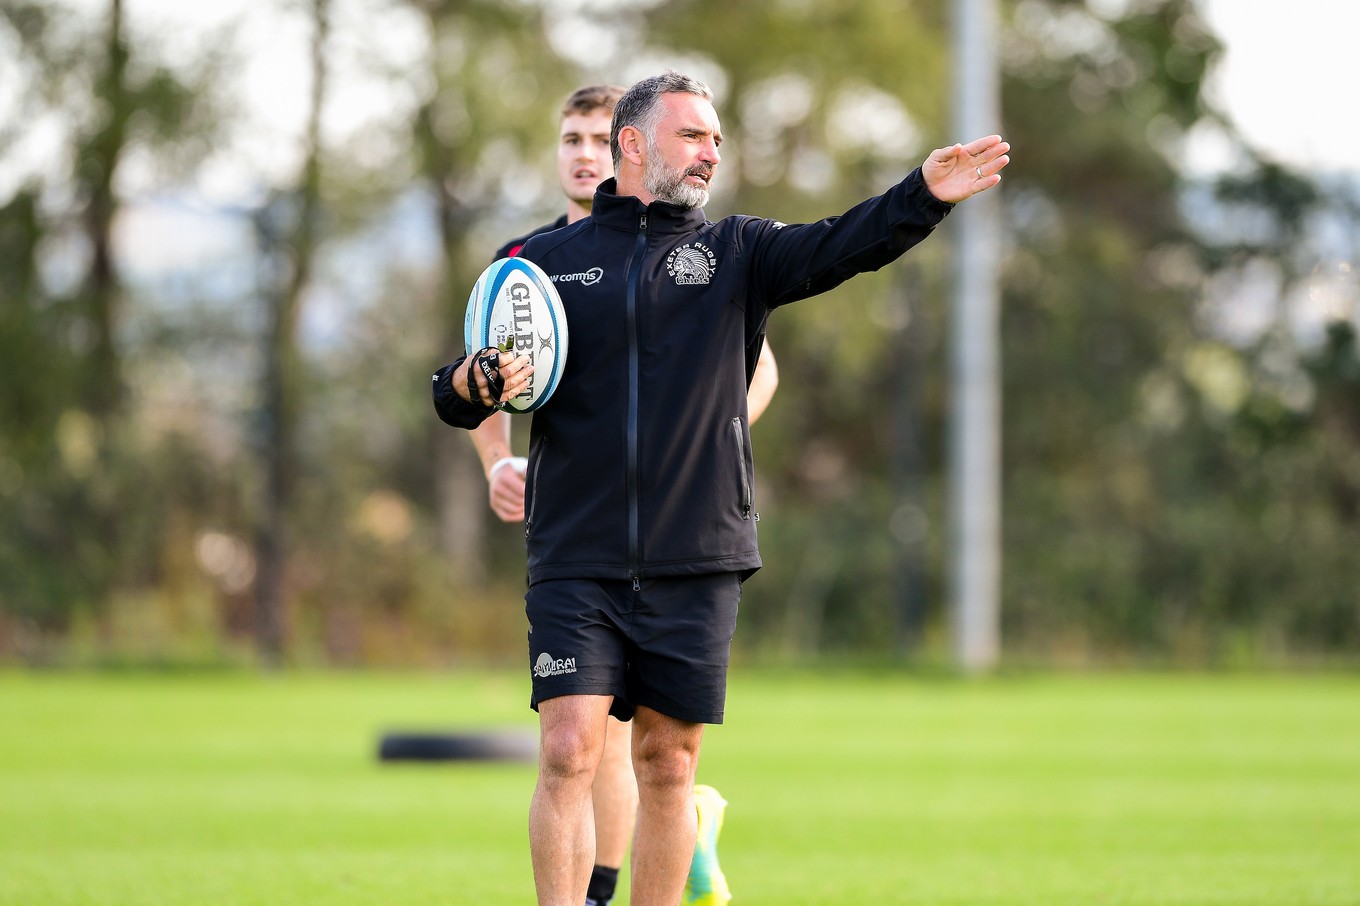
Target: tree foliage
column 69, row 455
column 1180, row 480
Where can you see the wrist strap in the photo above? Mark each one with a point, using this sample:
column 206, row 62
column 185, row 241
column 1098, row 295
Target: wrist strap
column 487, row 361
column 503, row 461
column 518, row 463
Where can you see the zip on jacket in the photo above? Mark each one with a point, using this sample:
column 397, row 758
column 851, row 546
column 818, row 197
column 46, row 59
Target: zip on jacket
column 634, row 391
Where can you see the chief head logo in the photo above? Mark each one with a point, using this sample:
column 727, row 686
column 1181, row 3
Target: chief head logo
column 691, row 264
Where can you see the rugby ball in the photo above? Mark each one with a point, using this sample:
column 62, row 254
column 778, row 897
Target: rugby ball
column 514, row 306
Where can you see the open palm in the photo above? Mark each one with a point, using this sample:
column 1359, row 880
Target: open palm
column 961, row 171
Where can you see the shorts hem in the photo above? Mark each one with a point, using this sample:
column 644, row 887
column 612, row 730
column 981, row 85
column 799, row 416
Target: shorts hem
column 601, row 691
column 693, row 717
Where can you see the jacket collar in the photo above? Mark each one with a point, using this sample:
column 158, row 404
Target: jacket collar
column 623, row 212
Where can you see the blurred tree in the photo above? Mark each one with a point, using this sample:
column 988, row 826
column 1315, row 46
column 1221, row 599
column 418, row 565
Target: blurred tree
column 1180, row 475
column 1141, row 519
column 1100, row 104
column 400, row 229
column 66, row 452
column 288, row 234
column 96, row 166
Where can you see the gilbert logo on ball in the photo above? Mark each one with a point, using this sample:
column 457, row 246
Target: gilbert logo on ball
column 514, row 306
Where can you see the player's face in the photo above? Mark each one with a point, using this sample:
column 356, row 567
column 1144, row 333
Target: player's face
column 682, row 156
column 583, row 160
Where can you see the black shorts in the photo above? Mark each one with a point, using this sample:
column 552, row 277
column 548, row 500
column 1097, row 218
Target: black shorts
column 664, row 647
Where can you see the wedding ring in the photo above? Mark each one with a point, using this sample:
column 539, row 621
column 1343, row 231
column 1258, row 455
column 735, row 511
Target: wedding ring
column 979, row 172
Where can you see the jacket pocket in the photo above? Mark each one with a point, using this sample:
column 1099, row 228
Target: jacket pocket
column 743, row 469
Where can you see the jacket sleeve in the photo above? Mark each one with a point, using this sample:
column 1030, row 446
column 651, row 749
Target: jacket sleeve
column 800, row 260
column 452, row 408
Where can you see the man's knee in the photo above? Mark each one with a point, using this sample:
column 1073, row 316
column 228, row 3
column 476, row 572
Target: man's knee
column 570, row 741
column 565, row 751
column 666, row 753
column 671, row 769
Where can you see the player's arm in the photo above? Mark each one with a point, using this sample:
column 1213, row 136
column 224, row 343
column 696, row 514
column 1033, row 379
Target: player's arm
column 763, row 384
column 505, row 481
column 796, row 261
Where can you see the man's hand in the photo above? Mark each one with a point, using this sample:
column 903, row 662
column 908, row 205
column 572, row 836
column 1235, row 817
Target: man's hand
column 514, row 371
column 959, row 172
column 506, row 487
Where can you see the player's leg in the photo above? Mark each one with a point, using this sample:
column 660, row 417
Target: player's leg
column 616, row 797
column 561, row 819
column 677, row 679
column 578, row 662
column 665, row 759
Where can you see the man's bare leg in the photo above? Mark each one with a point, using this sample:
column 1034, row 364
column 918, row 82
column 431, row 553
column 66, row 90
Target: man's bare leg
column 665, row 759
column 561, row 818
column 615, row 796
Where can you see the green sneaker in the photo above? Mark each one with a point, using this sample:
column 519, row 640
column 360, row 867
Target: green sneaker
column 706, row 885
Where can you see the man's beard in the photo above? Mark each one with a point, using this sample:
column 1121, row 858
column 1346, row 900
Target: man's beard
column 667, row 184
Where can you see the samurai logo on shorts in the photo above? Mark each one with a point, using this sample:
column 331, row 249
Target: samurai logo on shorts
column 546, row 666
column 691, row 264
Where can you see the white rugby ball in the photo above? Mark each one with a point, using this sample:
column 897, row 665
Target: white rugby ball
column 514, row 304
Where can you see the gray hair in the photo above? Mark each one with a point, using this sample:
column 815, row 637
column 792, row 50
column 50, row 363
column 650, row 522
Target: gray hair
column 640, row 106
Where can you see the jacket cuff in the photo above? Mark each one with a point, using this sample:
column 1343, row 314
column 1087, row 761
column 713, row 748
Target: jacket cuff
column 452, row 408
column 917, row 190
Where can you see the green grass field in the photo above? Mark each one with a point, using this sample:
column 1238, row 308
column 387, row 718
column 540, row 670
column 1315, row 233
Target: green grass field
column 844, row 788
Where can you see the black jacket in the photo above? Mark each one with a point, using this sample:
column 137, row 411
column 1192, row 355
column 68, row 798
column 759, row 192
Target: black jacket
column 640, row 464
column 512, row 248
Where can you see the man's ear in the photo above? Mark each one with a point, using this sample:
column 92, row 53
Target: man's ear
column 631, row 144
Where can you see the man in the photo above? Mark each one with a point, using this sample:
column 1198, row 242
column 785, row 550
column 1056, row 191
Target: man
column 583, row 162
column 640, row 518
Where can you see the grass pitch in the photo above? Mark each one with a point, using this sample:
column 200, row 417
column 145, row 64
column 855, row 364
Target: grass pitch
column 845, row 788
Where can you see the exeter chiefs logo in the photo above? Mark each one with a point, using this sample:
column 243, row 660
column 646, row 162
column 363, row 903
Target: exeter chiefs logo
column 691, row 264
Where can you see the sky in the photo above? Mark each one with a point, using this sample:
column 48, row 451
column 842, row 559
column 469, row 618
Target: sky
column 1289, row 77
